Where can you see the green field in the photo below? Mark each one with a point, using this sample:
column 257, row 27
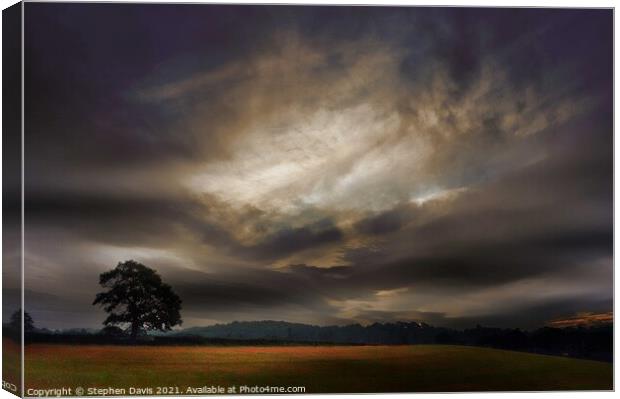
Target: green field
column 318, row 368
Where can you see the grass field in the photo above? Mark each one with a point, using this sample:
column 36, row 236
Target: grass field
column 11, row 365
column 318, row 368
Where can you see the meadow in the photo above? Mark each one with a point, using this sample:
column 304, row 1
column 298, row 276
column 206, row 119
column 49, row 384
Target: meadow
column 320, row 369
column 11, row 365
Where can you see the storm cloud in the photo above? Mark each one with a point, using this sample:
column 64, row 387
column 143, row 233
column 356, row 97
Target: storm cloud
column 325, row 165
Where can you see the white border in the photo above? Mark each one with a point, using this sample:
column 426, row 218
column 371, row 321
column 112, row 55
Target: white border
column 477, row 3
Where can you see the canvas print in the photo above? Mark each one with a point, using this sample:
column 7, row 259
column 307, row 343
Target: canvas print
column 260, row 199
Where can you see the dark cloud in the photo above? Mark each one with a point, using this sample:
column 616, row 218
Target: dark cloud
column 386, row 222
column 289, row 240
column 534, row 316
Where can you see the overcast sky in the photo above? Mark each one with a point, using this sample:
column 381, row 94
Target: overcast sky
column 323, row 165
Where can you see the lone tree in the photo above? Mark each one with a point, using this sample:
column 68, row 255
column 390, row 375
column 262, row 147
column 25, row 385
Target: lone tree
column 16, row 321
column 136, row 297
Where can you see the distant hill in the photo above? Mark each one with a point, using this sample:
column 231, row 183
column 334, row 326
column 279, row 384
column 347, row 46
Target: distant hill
column 388, row 333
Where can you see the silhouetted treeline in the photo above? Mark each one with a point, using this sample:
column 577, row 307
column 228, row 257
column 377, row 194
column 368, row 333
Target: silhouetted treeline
column 89, row 338
column 594, row 342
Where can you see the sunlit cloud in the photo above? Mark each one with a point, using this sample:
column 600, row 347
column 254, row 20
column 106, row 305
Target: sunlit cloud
column 583, row 319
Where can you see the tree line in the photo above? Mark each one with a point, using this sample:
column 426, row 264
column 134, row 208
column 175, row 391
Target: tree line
column 139, row 303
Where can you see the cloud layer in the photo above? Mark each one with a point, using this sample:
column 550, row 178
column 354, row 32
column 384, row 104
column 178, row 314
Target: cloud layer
column 322, row 164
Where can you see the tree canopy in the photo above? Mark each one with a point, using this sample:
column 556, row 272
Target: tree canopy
column 137, row 297
column 16, row 321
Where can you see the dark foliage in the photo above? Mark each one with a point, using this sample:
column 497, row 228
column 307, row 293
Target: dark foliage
column 14, row 327
column 136, row 297
column 113, row 331
column 16, row 321
column 594, row 342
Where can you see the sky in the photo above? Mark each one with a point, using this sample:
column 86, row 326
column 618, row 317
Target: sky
column 321, row 165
